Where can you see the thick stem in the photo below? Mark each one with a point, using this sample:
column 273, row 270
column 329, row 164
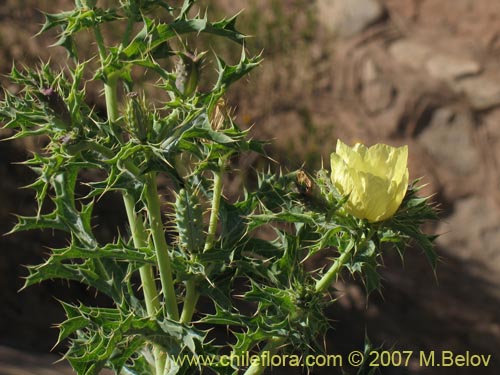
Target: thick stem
column 161, row 247
column 190, row 300
column 139, row 236
column 192, row 294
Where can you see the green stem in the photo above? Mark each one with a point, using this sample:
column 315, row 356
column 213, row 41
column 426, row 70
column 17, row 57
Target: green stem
column 110, row 85
column 327, row 279
column 214, row 214
column 128, row 31
column 136, row 226
column 161, row 247
column 190, row 301
column 139, row 236
column 100, row 43
column 192, row 294
column 323, row 283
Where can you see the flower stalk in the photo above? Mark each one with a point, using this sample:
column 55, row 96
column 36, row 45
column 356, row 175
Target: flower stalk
column 161, row 247
column 151, row 297
column 331, row 275
column 139, row 235
column 214, row 213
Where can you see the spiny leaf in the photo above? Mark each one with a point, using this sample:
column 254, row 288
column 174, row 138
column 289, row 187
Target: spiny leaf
column 229, row 74
column 110, row 337
column 257, row 220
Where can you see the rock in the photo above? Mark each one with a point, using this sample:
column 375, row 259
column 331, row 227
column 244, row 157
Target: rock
column 448, row 67
column 370, row 72
column 410, row 53
column 483, row 92
column 377, row 96
column 377, row 93
column 474, row 230
column 347, row 18
column 448, row 138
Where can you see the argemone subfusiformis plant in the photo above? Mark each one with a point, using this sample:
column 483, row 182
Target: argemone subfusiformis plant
column 202, row 244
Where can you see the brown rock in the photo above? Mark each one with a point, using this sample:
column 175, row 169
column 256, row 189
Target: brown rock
column 448, row 139
column 483, row 92
column 448, row 67
column 347, row 18
column 473, row 230
column 410, row 53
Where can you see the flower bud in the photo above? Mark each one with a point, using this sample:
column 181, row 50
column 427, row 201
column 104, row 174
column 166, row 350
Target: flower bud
column 138, row 120
column 188, row 72
column 375, row 179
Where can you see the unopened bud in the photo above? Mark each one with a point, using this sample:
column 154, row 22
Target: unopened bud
column 137, row 118
column 187, row 70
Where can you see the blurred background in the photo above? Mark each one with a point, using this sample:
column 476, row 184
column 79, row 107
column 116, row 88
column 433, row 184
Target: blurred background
column 420, row 72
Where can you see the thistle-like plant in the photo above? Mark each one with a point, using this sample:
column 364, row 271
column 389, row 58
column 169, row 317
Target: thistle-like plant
column 201, row 244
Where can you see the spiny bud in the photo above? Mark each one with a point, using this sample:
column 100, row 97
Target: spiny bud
column 187, row 71
column 138, row 120
column 189, row 221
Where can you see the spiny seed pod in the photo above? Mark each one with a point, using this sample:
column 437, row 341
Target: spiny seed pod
column 187, row 71
column 189, row 221
column 137, row 117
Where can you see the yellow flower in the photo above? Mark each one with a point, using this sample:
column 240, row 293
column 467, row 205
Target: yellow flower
column 375, row 178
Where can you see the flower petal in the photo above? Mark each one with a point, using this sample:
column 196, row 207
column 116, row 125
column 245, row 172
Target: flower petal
column 375, row 178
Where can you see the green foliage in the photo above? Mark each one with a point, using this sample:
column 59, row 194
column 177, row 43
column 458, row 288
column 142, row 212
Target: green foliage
column 220, row 248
